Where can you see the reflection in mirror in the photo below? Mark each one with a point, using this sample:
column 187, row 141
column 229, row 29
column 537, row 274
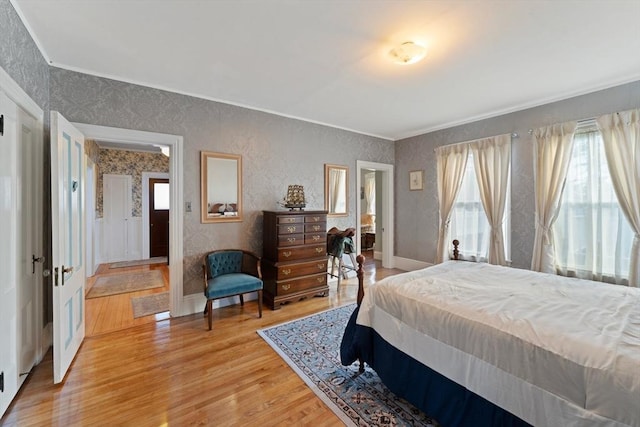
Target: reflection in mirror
column 221, row 187
column 336, row 181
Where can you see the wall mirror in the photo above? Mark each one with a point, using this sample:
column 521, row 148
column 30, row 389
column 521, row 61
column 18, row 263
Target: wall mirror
column 221, row 187
column 336, row 181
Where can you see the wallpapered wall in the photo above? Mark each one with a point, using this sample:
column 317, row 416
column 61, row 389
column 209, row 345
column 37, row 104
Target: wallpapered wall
column 121, row 162
column 21, row 59
column 417, row 211
column 276, row 151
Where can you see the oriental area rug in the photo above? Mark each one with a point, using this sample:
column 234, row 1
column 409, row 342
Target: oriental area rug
column 311, row 346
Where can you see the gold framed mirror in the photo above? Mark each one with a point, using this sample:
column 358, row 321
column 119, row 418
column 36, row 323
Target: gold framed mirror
column 220, row 187
column 336, row 190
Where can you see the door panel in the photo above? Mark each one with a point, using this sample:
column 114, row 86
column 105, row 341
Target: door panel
column 8, row 258
column 158, row 217
column 30, row 241
column 67, row 208
column 117, row 212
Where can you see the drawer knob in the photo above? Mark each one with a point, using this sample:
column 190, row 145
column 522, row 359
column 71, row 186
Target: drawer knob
column 286, row 287
column 316, row 238
column 316, row 218
column 319, row 250
column 291, row 239
column 286, row 254
column 286, row 271
column 320, row 266
column 291, row 229
column 320, row 279
column 289, row 219
column 316, row 227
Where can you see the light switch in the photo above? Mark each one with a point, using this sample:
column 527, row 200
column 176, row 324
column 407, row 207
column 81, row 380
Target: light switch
column 187, row 206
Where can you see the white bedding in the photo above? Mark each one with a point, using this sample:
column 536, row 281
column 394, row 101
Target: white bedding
column 553, row 351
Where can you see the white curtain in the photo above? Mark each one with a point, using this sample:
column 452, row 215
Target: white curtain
column 621, row 134
column 370, row 192
column 451, row 163
column 552, row 150
column 492, row 158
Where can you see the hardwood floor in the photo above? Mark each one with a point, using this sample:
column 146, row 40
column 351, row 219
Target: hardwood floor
column 114, row 312
column 176, row 372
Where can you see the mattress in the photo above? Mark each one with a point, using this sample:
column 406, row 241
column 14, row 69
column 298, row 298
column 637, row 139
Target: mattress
column 551, row 350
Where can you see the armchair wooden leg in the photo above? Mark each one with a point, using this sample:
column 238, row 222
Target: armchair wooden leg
column 210, row 313
column 260, row 303
column 241, row 299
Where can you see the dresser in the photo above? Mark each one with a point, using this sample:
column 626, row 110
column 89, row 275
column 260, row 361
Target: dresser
column 294, row 261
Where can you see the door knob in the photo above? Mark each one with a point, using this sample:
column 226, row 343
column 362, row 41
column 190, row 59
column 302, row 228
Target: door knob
column 64, row 271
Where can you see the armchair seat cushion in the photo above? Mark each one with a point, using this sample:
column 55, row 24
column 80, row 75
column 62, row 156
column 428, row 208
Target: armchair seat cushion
column 232, row 284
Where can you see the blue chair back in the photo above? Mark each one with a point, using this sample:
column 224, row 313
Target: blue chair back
column 224, row 263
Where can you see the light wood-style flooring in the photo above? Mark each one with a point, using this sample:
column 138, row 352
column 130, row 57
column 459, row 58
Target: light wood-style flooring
column 175, row 372
column 114, row 312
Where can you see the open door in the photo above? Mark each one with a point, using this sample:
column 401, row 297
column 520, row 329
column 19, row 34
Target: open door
column 67, row 208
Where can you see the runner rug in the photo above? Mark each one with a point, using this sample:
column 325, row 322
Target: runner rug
column 311, row 346
column 150, row 261
column 150, row 304
column 125, row 282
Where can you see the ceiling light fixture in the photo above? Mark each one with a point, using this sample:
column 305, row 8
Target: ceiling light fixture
column 407, row 53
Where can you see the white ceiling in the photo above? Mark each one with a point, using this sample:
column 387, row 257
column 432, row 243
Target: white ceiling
column 326, row 61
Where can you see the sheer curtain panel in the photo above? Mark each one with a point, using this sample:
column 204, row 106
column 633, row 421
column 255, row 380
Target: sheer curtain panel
column 451, row 164
column 552, row 150
column 492, row 159
column 370, row 192
column 621, row 134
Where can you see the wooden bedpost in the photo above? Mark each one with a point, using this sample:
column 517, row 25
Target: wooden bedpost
column 360, row 273
column 456, row 253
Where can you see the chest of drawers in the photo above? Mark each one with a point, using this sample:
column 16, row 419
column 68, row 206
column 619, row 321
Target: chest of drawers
column 294, row 262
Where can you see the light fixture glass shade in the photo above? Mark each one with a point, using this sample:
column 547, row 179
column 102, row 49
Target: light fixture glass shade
column 408, row 53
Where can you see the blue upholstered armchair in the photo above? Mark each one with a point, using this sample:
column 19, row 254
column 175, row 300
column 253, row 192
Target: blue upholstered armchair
column 231, row 272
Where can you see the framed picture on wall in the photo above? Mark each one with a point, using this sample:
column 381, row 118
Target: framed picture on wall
column 415, row 180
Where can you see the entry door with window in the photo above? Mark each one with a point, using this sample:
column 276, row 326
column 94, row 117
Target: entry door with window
column 158, row 217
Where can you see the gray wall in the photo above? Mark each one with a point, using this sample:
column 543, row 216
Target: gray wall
column 276, row 151
column 417, row 211
column 21, row 59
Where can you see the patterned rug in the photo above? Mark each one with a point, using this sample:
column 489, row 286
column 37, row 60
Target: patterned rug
column 311, row 346
column 125, row 282
column 150, row 304
column 150, row 261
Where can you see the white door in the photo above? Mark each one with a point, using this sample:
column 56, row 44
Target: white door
column 67, row 212
column 8, row 258
column 116, row 201
column 29, row 240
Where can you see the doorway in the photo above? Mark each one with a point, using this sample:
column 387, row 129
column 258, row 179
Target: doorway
column 158, row 217
column 176, row 220
column 384, row 209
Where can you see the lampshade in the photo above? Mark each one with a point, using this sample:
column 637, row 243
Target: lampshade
column 407, row 53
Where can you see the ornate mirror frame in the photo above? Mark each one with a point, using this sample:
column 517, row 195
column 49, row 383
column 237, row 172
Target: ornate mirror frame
column 336, row 190
column 220, row 202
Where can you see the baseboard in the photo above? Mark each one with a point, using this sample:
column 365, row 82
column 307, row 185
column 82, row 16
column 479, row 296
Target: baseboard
column 408, row 264
column 195, row 303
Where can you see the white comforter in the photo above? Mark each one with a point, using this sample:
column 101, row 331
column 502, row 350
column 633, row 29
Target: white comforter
column 552, row 350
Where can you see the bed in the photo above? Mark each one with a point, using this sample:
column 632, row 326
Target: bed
column 474, row 344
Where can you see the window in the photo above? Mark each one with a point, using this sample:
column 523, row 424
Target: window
column 160, row 196
column 469, row 222
column 592, row 238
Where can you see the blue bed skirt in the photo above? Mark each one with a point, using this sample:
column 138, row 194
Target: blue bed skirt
column 446, row 401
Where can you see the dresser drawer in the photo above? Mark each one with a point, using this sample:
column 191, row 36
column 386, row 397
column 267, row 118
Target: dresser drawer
column 302, row 252
column 290, row 229
column 289, row 271
column 315, row 218
column 301, row 284
column 315, row 238
column 289, row 219
column 315, row 227
column 291, row 239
